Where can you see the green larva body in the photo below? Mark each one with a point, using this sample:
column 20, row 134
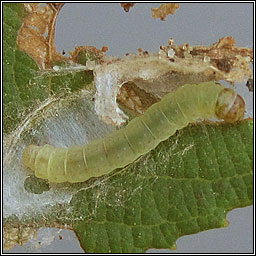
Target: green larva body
column 79, row 163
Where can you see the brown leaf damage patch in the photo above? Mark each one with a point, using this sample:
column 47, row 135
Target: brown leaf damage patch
column 18, row 235
column 157, row 74
column 36, row 34
column 163, row 10
column 84, row 54
column 127, row 6
column 135, row 99
column 226, row 61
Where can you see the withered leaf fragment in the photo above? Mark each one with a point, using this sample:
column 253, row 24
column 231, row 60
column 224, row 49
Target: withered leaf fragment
column 127, row 6
column 157, row 74
column 163, row 10
column 36, row 34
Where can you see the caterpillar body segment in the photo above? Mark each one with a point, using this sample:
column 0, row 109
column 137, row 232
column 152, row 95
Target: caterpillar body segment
column 188, row 104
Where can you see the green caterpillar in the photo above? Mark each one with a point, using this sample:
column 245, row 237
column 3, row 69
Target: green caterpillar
column 121, row 147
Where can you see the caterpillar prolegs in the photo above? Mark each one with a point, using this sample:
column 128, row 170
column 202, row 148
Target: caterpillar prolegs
column 121, row 147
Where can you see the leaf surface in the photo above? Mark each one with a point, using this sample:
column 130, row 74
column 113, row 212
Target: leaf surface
column 184, row 186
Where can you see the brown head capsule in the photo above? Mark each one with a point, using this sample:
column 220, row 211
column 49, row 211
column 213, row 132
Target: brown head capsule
column 230, row 106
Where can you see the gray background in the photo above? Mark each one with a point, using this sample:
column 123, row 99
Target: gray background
column 99, row 24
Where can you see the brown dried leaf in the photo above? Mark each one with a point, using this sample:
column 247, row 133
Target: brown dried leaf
column 225, row 60
column 82, row 54
column 36, row 34
column 127, row 6
column 163, row 10
column 157, row 74
column 17, row 235
column 135, row 99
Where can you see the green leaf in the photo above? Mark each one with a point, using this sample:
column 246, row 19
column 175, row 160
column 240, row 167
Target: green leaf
column 184, row 186
column 24, row 86
column 15, row 64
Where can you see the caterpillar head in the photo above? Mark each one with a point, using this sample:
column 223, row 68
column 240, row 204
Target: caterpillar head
column 230, row 106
